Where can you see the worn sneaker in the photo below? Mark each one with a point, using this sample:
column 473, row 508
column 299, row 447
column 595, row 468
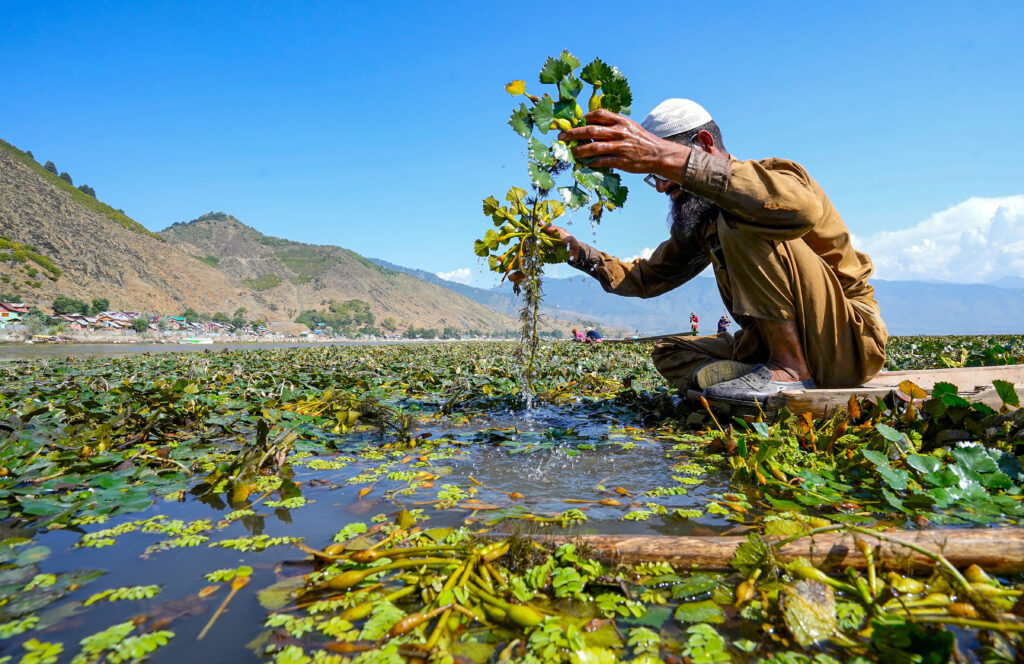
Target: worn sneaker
column 719, row 371
column 755, row 384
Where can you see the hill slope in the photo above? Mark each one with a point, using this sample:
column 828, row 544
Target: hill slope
column 97, row 251
column 296, row 277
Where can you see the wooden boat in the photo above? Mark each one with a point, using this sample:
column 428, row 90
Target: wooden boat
column 973, row 383
column 197, row 340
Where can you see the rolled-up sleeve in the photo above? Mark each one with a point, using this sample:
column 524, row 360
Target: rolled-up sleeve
column 775, row 198
column 669, row 266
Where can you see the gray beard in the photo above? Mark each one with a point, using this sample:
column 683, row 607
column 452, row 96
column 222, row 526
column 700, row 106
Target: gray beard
column 687, row 213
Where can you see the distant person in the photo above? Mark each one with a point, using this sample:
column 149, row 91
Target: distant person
column 782, row 256
column 694, row 323
column 593, row 337
column 577, row 335
column 723, row 324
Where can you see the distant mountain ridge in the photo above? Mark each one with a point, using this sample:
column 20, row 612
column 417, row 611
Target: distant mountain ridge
column 908, row 307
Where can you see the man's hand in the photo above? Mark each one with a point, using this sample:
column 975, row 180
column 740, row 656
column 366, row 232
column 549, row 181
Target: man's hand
column 618, row 142
column 567, row 238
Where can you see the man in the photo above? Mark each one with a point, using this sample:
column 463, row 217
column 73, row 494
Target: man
column 781, row 253
column 694, row 323
column 723, row 324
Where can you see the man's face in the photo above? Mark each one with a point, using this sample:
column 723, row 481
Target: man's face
column 687, row 212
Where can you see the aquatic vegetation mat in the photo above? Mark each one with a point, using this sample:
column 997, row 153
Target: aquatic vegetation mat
column 399, row 503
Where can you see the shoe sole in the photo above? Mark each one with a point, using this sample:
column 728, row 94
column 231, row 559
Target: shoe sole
column 719, row 371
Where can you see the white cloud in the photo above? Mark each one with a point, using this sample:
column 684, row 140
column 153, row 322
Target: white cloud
column 644, row 253
column 981, row 239
column 462, row 275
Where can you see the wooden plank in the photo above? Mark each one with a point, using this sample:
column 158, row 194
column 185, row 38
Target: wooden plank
column 996, row 550
column 974, row 383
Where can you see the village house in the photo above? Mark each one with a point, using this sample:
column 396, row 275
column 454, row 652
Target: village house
column 12, row 313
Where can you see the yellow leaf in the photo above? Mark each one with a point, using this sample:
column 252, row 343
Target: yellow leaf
column 516, row 88
column 912, row 390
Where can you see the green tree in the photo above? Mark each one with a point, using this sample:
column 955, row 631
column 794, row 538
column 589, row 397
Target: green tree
column 66, row 305
column 238, row 322
column 35, row 322
column 66, row 177
column 221, row 317
column 140, row 324
column 162, row 324
column 87, row 190
column 190, row 314
column 389, row 324
column 50, row 166
column 241, row 312
column 100, row 304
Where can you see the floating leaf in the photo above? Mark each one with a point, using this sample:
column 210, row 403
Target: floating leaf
column 700, row 612
column 809, row 610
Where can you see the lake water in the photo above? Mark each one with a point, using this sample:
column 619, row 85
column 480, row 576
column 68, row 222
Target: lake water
column 9, row 352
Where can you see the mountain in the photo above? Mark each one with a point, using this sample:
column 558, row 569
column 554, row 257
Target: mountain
column 908, row 307
column 59, row 240
column 295, row 277
column 1009, row 282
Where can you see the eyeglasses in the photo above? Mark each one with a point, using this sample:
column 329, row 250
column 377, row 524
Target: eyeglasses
column 657, row 181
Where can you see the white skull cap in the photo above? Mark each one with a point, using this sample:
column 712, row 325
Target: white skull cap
column 674, row 116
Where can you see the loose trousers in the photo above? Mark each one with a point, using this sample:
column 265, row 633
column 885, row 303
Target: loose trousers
column 843, row 339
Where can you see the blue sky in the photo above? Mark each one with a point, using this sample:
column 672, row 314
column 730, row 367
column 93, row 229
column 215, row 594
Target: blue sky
column 381, row 126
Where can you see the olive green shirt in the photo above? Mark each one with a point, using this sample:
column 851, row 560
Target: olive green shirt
column 772, row 198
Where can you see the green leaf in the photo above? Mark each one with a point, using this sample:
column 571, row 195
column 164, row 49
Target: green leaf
column 888, row 432
column 1006, row 392
column 597, row 72
column 569, row 59
column 588, row 177
column 522, row 122
column 975, row 459
column 543, row 114
column 696, row 585
column 751, row 554
column 553, row 70
column 562, row 152
column 897, row 479
column 924, row 464
column 899, row 642
column 700, row 612
column 569, row 88
column 540, row 153
column 515, row 195
column 565, row 110
column 617, row 95
column 491, row 205
column 540, row 177
column 574, row 197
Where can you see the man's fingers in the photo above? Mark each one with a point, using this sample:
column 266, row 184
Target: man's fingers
column 596, row 149
column 603, row 116
column 590, row 132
